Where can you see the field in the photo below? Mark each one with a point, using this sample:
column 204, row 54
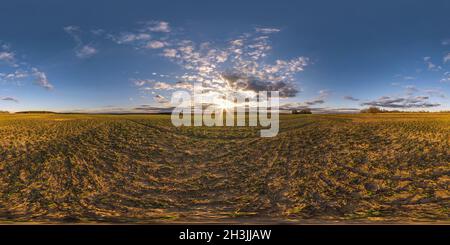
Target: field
column 141, row 169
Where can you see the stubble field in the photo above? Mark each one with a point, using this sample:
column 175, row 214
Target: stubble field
column 141, row 169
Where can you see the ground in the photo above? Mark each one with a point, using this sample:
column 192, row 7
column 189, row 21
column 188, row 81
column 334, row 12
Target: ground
column 141, row 169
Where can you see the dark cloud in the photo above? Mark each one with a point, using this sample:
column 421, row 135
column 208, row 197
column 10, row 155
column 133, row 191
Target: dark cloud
column 401, row 102
column 160, row 99
column 293, row 106
column 239, row 81
column 334, row 110
column 351, row 98
column 317, row 110
column 153, row 109
column 315, row 102
column 10, row 99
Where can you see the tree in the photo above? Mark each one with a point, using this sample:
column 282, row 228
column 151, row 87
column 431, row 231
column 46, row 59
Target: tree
column 372, row 110
column 302, row 111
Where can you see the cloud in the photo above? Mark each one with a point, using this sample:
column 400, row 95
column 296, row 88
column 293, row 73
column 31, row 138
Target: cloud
column 7, row 57
column 98, row 32
column 162, row 85
column 317, row 110
column 234, row 67
column 158, row 85
column 446, row 41
column 160, row 99
column 23, row 71
column 14, row 76
column 315, row 102
column 10, row 99
column 430, row 65
column 435, row 93
column 350, row 98
column 320, row 99
column 149, row 35
column 409, row 78
column 328, row 110
column 410, row 89
column 183, row 85
column 241, row 82
column 155, row 44
column 82, row 50
column 141, row 82
column 170, row 53
column 446, row 78
column 446, row 58
column 401, row 102
column 157, row 26
column 86, row 51
column 131, row 37
column 153, row 109
column 73, row 31
column 267, row 30
column 41, row 79
column 237, row 66
column 323, row 94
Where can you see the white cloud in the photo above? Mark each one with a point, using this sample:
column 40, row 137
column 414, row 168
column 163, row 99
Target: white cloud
column 446, row 78
column 157, row 26
column 8, row 57
column 409, row 78
column 237, row 42
column 74, row 31
column 98, row 32
column 150, row 35
column 41, row 79
column 162, row 85
column 183, row 85
column 216, row 65
column 447, row 58
column 267, row 30
column 430, row 65
column 22, row 71
column 81, row 50
column 140, row 83
column 131, row 37
column 86, row 51
column 16, row 75
column 155, row 44
column 170, row 53
column 238, row 65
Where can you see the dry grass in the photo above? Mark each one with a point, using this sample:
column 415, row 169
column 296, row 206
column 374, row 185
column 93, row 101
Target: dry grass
column 139, row 168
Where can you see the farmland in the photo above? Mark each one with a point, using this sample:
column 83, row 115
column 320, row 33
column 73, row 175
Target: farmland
column 141, row 169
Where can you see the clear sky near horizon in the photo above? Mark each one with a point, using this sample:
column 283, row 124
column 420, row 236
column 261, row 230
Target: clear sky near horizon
column 325, row 55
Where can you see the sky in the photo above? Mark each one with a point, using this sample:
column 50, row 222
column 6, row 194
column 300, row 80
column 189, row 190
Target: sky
column 330, row 56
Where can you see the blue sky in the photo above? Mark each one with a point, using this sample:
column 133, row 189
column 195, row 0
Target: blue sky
column 326, row 55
